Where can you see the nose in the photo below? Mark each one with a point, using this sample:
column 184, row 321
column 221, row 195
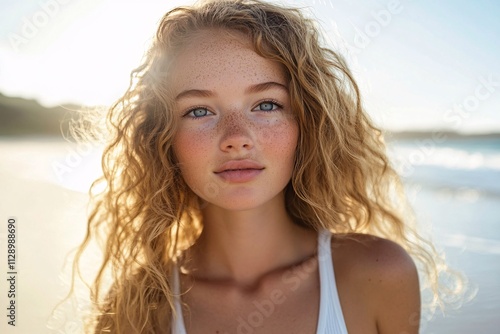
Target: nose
column 236, row 134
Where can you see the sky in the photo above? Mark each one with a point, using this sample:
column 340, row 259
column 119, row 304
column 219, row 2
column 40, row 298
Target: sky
column 421, row 64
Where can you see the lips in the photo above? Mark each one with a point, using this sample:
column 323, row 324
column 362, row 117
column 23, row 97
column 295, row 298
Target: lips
column 239, row 171
column 233, row 165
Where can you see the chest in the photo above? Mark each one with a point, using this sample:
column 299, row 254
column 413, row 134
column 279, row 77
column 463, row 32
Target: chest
column 288, row 303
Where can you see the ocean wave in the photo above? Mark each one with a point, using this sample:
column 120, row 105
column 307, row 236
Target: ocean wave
column 467, row 165
column 446, row 157
column 480, row 180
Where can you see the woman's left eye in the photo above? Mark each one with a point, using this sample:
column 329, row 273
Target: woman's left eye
column 267, row 106
column 198, row 112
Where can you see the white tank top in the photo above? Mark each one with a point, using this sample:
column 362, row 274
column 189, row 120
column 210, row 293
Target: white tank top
column 330, row 320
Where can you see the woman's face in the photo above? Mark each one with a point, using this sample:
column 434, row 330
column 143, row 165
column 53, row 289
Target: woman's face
column 236, row 139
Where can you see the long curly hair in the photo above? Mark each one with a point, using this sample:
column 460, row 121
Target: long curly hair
column 146, row 215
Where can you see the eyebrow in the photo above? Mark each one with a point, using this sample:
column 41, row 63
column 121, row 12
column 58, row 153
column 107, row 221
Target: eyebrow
column 252, row 89
column 194, row 93
column 265, row 86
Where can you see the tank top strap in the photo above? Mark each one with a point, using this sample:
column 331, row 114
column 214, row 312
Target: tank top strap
column 177, row 318
column 331, row 319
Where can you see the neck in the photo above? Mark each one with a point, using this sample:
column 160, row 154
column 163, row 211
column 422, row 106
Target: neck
column 243, row 246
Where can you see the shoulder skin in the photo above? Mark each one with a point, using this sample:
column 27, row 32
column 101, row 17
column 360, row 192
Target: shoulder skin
column 381, row 276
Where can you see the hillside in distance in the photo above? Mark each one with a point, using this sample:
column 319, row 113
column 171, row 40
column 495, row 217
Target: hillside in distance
column 26, row 117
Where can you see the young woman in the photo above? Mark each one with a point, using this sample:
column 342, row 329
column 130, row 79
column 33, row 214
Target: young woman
column 247, row 191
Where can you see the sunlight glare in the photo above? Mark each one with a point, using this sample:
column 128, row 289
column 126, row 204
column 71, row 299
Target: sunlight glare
column 89, row 62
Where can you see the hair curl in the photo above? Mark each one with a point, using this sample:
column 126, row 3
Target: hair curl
column 342, row 180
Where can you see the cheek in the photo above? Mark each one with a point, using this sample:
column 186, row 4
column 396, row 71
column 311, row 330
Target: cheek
column 190, row 149
column 282, row 139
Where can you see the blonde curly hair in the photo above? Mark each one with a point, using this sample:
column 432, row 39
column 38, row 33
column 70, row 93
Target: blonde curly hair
column 342, row 180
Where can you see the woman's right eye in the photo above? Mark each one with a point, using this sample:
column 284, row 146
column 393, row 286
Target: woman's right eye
column 198, row 112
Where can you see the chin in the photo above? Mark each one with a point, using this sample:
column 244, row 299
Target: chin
column 238, row 205
column 245, row 202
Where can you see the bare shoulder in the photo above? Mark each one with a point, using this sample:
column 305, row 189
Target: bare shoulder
column 373, row 256
column 386, row 277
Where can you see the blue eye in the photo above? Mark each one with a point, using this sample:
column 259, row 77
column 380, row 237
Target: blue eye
column 198, row 112
column 267, row 106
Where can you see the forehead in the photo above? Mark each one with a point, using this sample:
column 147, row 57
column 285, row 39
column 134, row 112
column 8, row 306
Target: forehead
column 212, row 57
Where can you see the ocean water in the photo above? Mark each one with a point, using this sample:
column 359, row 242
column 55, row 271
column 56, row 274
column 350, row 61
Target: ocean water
column 454, row 186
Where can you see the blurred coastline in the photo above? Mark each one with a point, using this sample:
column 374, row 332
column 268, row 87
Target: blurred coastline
column 26, row 117
column 452, row 180
column 21, row 117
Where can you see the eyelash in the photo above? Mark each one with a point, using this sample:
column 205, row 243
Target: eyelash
column 274, row 102
column 187, row 114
